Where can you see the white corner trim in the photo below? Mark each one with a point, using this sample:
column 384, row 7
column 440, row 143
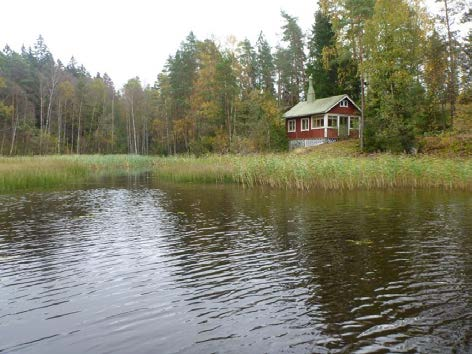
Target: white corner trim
column 326, row 125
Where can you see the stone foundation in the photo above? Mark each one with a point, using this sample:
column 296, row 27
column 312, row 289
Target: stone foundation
column 301, row 143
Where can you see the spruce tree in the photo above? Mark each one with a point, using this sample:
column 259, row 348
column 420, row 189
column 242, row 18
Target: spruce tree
column 322, row 64
column 265, row 67
column 291, row 60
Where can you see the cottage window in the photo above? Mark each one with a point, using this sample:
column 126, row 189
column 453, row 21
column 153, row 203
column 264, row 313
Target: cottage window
column 305, row 124
column 317, row 122
column 344, row 103
column 333, row 121
column 354, row 123
column 291, row 126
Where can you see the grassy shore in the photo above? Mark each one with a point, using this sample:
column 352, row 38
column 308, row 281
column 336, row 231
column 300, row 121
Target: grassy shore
column 327, row 168
column 312, row 171
column 21, row 173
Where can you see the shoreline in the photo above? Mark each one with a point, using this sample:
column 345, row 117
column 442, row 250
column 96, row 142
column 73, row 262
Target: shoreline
column 310, row 171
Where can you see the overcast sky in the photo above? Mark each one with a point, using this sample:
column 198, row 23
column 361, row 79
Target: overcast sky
column 135, row 37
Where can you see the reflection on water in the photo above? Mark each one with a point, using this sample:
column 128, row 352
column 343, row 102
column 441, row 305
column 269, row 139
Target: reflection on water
column 134, row 266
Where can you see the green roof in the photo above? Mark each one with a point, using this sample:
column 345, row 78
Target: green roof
column 321, row 105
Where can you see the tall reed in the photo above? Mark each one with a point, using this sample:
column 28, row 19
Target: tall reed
column 19, row 173
column 289, row 171
column 316, row 172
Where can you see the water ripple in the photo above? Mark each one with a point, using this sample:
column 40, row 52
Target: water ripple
column 135, row 267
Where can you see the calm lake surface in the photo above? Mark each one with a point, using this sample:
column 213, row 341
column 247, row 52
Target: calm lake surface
column 132, row 265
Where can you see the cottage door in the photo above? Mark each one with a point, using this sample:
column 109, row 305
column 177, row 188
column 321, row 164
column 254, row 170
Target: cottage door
column 343, row 129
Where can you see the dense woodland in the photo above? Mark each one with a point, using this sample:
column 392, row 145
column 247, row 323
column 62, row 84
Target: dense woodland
column 407, row 68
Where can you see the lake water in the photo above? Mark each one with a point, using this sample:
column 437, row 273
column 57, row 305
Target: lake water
column 136, row 266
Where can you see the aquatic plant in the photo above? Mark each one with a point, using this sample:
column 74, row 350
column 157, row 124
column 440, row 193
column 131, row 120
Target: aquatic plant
column 19, row 173
column 313, row 171
column 289, row 171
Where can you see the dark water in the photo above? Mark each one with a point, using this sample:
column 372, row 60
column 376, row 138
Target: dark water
column 133, row 266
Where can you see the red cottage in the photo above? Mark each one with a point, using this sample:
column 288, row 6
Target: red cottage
column 318, row 121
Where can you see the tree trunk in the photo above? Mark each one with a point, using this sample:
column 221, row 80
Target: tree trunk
column 128, row 131
column 3, row 138
column 167, row 128
column 59, row 126
column 113, row 123
column 41, row 104
column 452, row 66
column 14, row 124
column 362, row 121
column 78, row 128
column 52, row 90
column 134, row 126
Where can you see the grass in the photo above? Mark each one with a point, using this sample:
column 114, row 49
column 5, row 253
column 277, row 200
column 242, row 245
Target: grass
column 313, row 171
column 463, row 120
column 447, row 145
column 457, row 142
column 343, row 148
column 326, row 168
column 21, row 173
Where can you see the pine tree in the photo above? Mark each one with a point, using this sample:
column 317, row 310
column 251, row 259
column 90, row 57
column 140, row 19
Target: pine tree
column 435, row 78
column 247, row 61
column 450, row 10
column 182, row 70
column 322, row 65
column 291, row 61
column 265, row 67
column 466, row 66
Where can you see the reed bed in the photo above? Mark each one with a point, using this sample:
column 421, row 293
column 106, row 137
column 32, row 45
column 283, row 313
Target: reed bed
column 313, row 171
column 289, row 171
column 30, row 172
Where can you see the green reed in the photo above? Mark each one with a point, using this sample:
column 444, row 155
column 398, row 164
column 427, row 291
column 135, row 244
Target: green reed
column 29, row 172
column 313, row 171
column 289, row 171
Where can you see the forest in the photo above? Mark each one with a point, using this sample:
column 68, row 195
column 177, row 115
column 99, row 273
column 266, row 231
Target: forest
column 407, row 69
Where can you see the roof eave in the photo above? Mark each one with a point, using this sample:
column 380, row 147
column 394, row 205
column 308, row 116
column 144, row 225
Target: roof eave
column 301, row 116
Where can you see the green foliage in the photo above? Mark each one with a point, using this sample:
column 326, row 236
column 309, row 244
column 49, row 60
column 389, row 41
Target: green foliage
column 466, row 66
column 192, row 107
column 5, row 110
column 435, row 77
column 215, row 99
column 394, row 44
column 323, row 65
column 348, row 80
column 265, row 66
column 225, row 106
column 290, row 62
column 248, row 62
column 182, row 69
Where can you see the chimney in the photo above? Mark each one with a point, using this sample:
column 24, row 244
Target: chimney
column 310, row 97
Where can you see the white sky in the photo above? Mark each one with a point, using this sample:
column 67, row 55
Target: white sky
column 135, row 38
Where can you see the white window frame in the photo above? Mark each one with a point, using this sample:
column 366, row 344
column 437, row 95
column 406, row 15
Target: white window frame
column 289, row 122
column 344, row 103
column 337, row 122
column 307, row 120
column 358, row 123
column 313, row 125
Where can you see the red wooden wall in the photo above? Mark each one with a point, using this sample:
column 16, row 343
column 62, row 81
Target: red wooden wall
column 350, row 110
